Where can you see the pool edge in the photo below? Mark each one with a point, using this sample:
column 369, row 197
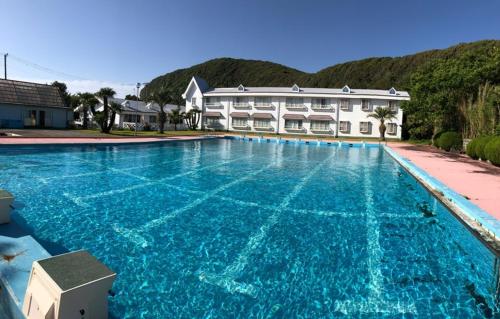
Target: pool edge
column 479, row 222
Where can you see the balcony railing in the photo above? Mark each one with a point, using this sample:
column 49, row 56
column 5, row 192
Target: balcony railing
column 321, row 107
column 241, row 127
column 213, row 105
column 263, row 105
column 263, row 128
column 295, row 106
column 241, row 105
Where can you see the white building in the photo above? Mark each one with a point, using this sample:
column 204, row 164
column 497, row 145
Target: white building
column 294, row 110
column 135, row 113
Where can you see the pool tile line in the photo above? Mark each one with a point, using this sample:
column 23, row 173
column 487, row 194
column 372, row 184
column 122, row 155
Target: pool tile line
column 135, row 236
column 81, row 199
column 375, row 302
column 227, row 279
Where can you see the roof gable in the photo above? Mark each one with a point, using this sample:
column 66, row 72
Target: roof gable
column 295, row 88
column 346, row 89
column 200, row 84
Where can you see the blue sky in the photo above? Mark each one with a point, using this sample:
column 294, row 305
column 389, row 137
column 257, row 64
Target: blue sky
column 119, row 43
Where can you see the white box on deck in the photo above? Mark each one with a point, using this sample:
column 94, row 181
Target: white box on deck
column 73, row 285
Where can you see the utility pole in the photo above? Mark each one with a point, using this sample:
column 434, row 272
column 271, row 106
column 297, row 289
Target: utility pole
column 5, row 65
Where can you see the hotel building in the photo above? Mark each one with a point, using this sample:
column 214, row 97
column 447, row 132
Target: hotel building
column 295, row 110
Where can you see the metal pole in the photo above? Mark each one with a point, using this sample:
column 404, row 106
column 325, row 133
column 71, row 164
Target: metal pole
column 137, row 107
column 5, row 65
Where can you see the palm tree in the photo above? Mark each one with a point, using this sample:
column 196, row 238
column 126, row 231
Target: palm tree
column 192, row 118
column 177, row 116
column 88, row 102
column 382, row 114
column 161, row 98
column 103, row 118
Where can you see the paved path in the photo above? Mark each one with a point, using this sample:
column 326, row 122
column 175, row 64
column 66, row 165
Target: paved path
column 91, row 140
column 477, row 180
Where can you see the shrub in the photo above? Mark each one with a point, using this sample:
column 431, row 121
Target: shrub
column 480, row 144
column 435, row 138
column 450, row 141
column 492, row 151
column 471, row 148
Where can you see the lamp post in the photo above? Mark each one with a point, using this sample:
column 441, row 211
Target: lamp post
column 138, row 86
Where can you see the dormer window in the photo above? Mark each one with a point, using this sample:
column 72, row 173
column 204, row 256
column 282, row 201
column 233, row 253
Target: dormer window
column 392, row 91
column 295, row 88
column 346, row 89
column 241, row 88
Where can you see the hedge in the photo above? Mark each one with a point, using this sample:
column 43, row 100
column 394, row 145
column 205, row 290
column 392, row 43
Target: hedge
column 450, row 141
column 471, row 148
column 435, row 138
column 492, row 151
column 481, row 144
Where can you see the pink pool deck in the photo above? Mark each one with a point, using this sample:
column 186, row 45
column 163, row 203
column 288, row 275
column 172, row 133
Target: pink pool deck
column 90, row 140
column 478, row 181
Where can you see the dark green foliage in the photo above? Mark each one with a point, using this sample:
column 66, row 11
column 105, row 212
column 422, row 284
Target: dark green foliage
column 480, row 145
column 492, row 151
column 374, row 73
column 471, row 148
column 435, row 138
column 450, row 141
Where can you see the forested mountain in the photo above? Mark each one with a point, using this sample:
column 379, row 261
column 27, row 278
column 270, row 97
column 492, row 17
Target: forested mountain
column 403, row 73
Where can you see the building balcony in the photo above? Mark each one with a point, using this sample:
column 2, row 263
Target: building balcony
column 295, row 129
column 322, row 107
column 241, row 127
column 263, row 128
column 264, row 106
column 214, row 105
column 242, row 105
column 321, row 130
column 296, row 107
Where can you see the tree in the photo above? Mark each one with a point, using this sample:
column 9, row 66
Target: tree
column 161, row 98
column 105, row 118
column 177, row 117
column 63, row 89
column 192, row 118
column 88, row 102
column 382, row 114
column 131, row 97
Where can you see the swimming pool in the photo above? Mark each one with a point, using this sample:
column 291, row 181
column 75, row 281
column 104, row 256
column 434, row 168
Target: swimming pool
column 234, row 229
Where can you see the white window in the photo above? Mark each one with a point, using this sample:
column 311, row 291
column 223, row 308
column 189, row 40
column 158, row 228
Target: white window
column 293, row 124
column 344, row 104
column 240, row 122
column 132, row 118
column 295, row 102
column 365, row 105
column 321, row 103
column 212, row 101
column 241, row 88
column 393, row 106
column 212, row 121
column 261, row 123
column 295, row 88
column 346, row 89
column 364, row 127
column 392, row 128
column 344, row 126
column 193, row 101
column 320, row 126
column 392, row 91
column 240, row 102
column 262, row 101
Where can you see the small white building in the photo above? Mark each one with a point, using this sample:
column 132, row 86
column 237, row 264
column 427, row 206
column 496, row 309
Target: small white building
column 142, row 114
column 295, row 110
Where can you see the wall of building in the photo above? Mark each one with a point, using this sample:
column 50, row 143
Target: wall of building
column 15, row 116
column 354, row 115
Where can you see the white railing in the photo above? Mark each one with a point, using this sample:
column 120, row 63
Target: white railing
column 263, row 104
column 213, row 104
column 321, row 107
column 295, row 106
column 241, row 105
column 263, row 127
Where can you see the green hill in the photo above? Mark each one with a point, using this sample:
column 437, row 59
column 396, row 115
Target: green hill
column 373, row 73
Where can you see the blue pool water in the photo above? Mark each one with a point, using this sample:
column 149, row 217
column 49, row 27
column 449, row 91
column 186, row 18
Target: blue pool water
column 234, row 229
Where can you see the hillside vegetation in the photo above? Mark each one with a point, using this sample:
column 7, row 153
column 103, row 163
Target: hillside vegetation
column 444, row 84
